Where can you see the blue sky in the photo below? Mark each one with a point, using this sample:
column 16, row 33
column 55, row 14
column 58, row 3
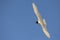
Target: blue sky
column 17, row 19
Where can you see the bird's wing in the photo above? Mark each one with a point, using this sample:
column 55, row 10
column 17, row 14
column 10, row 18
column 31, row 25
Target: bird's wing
column 36, row 11
column 46, row 32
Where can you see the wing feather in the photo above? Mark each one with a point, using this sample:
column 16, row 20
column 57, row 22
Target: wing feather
column 36, row 11
column 46, row 32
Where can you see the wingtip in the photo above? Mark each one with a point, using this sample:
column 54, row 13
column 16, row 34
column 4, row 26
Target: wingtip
column 32, row 3
column 49, row 36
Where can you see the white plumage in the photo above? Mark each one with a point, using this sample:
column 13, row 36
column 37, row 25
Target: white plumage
column 41, row 21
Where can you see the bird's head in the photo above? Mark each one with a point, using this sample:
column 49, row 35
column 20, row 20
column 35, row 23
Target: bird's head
column 36, row 22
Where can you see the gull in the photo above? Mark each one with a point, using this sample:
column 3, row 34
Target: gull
column 40, row 21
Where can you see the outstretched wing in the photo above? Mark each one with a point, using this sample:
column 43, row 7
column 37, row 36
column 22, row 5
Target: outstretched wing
column 45, row 29
column 46, row 32
column 36, row 11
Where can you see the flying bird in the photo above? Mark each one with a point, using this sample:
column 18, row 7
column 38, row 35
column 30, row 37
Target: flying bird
column 40, row 21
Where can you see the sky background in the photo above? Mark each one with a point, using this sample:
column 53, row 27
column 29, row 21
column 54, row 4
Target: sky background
column 17, row 19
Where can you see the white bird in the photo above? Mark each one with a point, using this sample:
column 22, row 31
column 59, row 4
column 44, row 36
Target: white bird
column 40, row 21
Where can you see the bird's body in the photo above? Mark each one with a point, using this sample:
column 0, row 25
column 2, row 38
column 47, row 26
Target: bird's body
column 40, row 20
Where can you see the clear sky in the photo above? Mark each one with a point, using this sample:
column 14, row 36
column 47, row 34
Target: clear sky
column 17, row 19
